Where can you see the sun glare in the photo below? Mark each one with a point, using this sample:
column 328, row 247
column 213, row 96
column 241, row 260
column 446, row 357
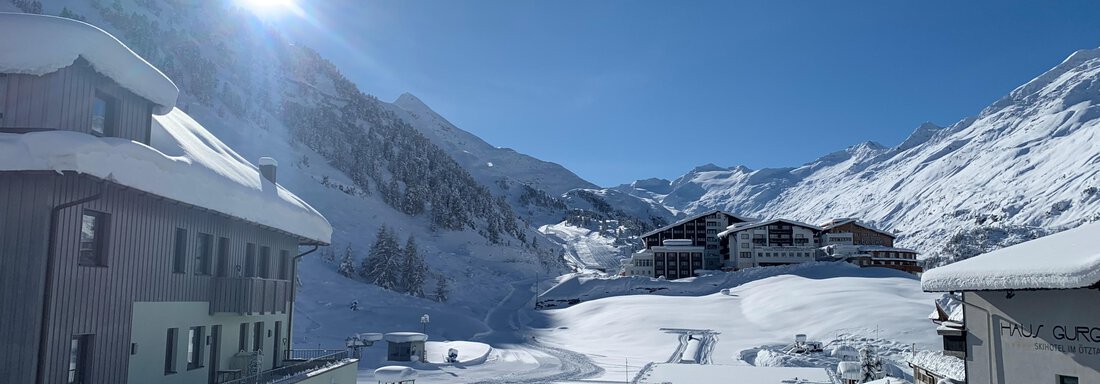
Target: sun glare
column 268, row 6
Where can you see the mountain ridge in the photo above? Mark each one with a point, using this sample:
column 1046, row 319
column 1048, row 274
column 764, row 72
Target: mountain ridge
column 1022, row 167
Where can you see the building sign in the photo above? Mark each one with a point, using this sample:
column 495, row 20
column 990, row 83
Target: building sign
column 1075, row 339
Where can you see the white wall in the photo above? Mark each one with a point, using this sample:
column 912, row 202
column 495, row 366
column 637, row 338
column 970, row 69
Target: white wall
column 151, row 321
column 1032, row 337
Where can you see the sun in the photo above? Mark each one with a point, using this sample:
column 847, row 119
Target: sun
column 268, row 6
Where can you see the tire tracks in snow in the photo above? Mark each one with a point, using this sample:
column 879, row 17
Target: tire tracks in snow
column 506, row 327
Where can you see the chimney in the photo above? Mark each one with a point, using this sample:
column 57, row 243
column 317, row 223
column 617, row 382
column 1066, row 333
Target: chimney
column 267, row 168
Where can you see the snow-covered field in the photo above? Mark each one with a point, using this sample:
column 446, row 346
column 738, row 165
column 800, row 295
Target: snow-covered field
column 878, row 307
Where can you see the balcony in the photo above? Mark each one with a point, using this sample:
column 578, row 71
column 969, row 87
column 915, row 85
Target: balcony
column 249, row 295
column 305, row 366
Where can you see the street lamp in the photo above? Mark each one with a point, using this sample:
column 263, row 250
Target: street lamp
column 424, row 320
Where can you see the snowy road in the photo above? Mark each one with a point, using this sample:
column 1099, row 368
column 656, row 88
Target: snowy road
column 507, row 321
column 516, row 357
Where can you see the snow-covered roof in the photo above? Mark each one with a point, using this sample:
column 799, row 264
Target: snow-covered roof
column 1069, row 259
column 849, row 370
column 694, row 217
column 370, row 336
column 948, row 308
column 949, row 367
column 750, row 225
column 394, row 374
column 405, row 337
column 186, row 163
column 40, row 44
column 841, row 221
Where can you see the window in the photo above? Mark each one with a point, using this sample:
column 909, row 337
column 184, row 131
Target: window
column 102, row 114
column 223, row 256
column 79, row 347
column 250, row 260
column 744, row 245
column 205, row 243
column 284, row 265
column 179, row 255
column 258, row 336
column 744, row 236
column 170, row 351
column 194, row 347
column 1067, row 379
column 242, row 342
column 93, row 233
column 712, row 231
column 265, row 262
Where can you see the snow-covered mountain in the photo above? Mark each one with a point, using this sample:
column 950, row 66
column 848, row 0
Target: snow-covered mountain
column 517, row 176
column 1024, row 166
column 487, row 163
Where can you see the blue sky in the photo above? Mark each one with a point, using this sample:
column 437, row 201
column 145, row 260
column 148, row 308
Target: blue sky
column 621, row 90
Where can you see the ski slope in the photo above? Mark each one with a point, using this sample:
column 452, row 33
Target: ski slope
column 585, row 249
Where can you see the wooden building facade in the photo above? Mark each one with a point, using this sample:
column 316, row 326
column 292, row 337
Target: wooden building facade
column 74, row 98
column 145, row 249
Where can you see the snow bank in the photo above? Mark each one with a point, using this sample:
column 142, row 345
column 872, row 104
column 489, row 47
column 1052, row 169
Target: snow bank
column 577, row 288
column 40, row 44
column 948, row 366
column 186, row 164
column 1065, row 260
column 469, row 352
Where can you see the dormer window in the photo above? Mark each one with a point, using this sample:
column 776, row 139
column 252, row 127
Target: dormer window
column 102, row 114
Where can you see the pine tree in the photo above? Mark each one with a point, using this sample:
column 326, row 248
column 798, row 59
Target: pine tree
column 347, row 268
column 413, row 270
column 442, row 291
column 383, row 265
column 870, row 364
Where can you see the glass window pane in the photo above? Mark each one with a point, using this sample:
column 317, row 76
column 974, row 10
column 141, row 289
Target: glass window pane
column 88, row 229
column 191, row 346
column 74, row 360
column 99, row 115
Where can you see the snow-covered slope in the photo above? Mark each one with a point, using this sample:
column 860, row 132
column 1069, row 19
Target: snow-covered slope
column 487, row 163
column 1024, row 166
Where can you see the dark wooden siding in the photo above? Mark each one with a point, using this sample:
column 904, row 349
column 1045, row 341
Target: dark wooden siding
column 62, row 100
column 863, row 236
column 98, row 300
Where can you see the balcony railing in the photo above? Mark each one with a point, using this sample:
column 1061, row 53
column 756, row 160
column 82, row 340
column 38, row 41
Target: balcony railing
column 296, row 365
column 249, row 295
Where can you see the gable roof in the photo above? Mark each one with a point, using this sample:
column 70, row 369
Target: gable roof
column 1065, row 260
column 745, row 226
column 41, row 44
column 185, row 163
column 842, row 221
column 693, row 217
